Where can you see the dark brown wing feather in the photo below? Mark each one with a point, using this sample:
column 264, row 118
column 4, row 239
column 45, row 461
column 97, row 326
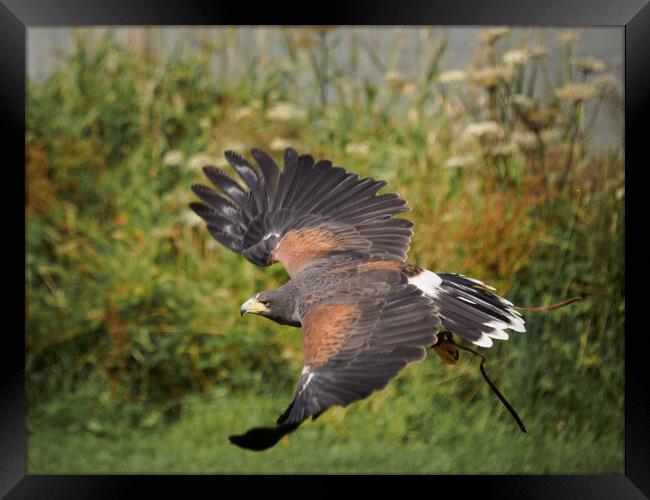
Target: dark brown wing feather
column 307, row 211
column 352, row 350
column 363, row 332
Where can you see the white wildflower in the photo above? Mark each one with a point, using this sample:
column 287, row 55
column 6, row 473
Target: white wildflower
column 492, row 76
column 189, row 218
column 506, row 149
column 285, row 112
column 606, row 81
column 200, row 160
column 516, row 57
column 280, row 144
column 523, row 101
column 459, row 161
column 588, row 64
column 357, row 148
column 242, row 113
column 527, row 141
column 452, row 76
column 551, row 135
column 576, row 92
column 173, row 158
column 486, row 129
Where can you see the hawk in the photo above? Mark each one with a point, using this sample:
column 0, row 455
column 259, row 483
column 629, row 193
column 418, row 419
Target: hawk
column 364, row 312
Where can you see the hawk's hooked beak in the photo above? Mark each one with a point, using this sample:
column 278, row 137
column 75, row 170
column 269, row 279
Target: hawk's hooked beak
column 252, row 306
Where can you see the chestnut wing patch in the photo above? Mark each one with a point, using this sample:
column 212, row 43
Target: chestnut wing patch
column 300, row 247
column 325, row 330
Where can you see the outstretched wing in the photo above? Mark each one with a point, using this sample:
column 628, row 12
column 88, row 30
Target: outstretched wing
column 308, row 211
column 353, row 344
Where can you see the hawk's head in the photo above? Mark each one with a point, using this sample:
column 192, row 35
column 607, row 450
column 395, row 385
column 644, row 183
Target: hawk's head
column 278, row 305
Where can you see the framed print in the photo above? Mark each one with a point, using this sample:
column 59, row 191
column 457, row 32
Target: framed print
column 442, row 190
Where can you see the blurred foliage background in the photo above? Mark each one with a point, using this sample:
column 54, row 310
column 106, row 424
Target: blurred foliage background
column 136, row 357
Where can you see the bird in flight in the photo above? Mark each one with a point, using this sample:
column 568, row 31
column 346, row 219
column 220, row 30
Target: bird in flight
column 364, row 312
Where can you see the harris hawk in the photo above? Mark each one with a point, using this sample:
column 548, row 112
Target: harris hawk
column 364, row 312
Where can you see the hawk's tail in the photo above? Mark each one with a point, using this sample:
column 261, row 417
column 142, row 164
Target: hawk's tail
column 467, row 306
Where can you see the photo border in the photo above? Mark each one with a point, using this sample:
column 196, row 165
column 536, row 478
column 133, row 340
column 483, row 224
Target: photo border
column 632, row 15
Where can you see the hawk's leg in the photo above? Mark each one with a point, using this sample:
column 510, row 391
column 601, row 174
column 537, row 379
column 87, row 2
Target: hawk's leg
column 447, row 349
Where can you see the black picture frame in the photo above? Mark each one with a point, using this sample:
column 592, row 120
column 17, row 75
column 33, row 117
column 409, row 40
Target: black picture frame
column 632, row 15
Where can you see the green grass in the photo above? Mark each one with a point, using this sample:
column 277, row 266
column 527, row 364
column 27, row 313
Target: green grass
column 453, row 437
